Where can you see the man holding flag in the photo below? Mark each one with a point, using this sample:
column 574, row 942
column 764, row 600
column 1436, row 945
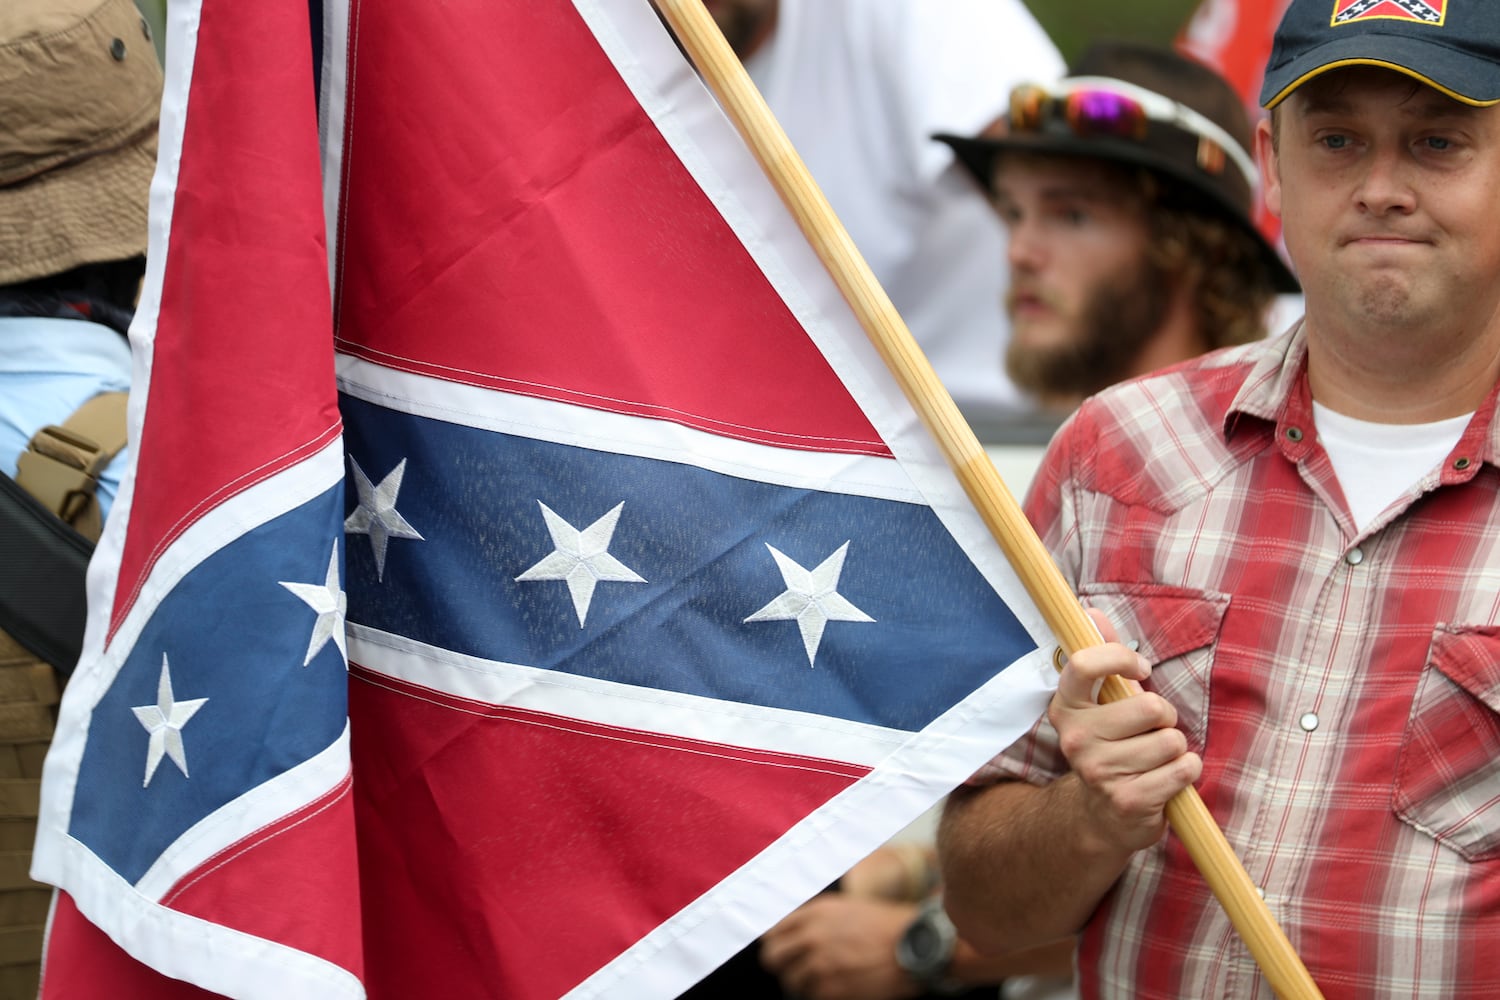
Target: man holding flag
column 1124, row 256
column 1298, row 540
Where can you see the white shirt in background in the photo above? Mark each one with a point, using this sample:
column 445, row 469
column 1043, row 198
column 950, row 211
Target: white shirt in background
column 860, row 86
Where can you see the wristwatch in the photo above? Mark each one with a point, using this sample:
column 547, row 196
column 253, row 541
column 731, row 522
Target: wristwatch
column 926, row 948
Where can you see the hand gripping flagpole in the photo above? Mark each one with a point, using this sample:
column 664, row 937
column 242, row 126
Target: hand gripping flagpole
column 1074, row 630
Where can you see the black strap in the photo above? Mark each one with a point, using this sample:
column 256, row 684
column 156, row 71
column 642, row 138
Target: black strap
column 42, row 564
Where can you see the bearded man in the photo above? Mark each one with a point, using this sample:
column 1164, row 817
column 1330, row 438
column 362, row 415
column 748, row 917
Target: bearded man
column 1127, row 191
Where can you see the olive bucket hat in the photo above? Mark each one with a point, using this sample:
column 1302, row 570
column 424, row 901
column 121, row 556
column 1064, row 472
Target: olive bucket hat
column 80, row 91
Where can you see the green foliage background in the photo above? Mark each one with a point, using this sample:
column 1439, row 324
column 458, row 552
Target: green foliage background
column 1071, row 23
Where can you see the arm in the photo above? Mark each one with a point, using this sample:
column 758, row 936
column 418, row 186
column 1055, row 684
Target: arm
column 1026, row 865
column 840, row 946
column 902, row 871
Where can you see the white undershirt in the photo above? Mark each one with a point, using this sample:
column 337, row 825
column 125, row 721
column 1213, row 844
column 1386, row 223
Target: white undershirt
column 1376, row 463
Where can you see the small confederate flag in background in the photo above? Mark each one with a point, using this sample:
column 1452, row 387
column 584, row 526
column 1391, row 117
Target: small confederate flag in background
column 662, row 607
column 1234, row 37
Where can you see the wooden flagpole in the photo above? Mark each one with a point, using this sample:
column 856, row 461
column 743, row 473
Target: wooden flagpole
column 1074, row 630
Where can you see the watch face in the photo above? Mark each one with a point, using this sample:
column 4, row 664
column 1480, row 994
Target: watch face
column 926, row 948
column 924, row 941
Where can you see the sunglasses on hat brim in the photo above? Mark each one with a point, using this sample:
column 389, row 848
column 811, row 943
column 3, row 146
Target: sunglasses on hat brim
column 1100, row 107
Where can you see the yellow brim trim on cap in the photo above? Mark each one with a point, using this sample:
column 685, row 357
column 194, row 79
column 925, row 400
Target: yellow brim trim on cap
column 1340, row 64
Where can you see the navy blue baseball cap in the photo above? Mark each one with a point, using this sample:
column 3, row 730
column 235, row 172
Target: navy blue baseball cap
column 1452, row 46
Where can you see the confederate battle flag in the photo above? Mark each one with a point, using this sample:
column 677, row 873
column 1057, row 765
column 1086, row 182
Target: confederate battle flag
column 530, row 582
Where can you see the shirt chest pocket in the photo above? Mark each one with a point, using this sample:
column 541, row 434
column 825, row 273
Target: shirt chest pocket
column 1448, row 774
column 1175, row 629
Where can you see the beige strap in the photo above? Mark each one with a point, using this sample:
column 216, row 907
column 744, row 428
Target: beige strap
column 61, row 465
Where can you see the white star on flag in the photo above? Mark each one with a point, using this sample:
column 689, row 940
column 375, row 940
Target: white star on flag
column 376, row 514
column 330, row 603
column 581, row 558
column 811, row 599
column 164, row 721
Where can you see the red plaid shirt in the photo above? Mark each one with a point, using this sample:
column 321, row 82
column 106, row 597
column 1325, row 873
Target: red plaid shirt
column 1343, row 687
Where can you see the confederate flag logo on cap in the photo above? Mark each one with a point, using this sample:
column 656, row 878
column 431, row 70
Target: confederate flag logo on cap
column 1425, row 11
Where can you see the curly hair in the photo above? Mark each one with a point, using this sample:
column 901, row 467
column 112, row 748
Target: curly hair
column 1234, row 288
